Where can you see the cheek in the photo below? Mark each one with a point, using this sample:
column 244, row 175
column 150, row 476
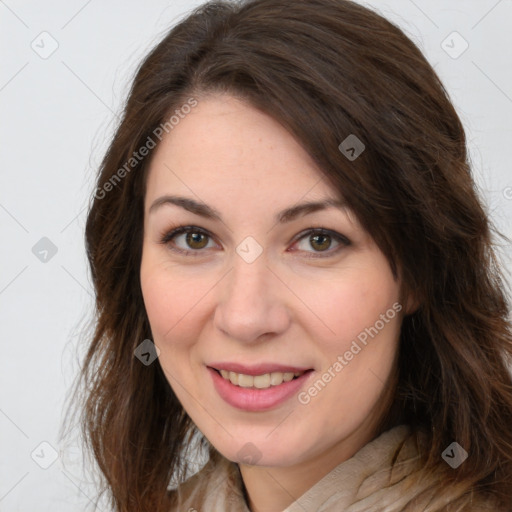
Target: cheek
column 159, row 300
column 345, row 307
column 172, row 300
column 176, row 314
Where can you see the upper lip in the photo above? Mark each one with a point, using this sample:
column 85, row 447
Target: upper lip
column 257, row 369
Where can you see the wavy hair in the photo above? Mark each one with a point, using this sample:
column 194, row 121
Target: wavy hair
column 324, row 69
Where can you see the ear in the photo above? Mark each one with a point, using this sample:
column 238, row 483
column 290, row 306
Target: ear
column 409, row 297
column 411, row 303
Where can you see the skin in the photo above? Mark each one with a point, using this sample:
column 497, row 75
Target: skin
column 284, row 307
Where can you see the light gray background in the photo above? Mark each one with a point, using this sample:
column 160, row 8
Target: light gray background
column 57, row 117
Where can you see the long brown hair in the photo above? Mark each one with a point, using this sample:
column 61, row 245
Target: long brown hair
column 324, row 69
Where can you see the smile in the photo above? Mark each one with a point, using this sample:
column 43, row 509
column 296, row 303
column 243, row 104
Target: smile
column 265, row 389
column 263, row 381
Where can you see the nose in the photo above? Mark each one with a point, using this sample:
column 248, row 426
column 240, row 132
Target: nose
column 252, row 302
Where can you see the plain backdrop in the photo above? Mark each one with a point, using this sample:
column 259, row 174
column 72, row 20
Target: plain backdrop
column 65, row 72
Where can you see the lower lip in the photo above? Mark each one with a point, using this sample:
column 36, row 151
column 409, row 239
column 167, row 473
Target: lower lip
column 253, row 399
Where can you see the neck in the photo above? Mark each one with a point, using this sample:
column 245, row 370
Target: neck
column 273, row 489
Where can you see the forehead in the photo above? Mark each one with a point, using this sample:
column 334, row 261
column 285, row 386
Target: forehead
column 228, row 145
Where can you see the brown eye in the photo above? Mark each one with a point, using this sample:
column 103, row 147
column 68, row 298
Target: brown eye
column 187, row 240
column 320, row 242
column 191, row 241
column 196, row 240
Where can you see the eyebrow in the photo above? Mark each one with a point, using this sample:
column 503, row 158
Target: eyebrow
column 286, row 215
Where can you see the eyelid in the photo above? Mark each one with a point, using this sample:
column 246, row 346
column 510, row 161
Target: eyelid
column 341, row 239
column 173, row 232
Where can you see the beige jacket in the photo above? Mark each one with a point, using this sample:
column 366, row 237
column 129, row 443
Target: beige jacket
column 371, row 481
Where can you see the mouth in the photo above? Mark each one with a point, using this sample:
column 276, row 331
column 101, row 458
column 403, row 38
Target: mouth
column 261, row 387
column 262, row 381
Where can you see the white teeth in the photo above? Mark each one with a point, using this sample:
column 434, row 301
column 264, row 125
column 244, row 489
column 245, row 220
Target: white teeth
column 262, row 381
column 259, row 381
column 245, row 381
column 288, row 376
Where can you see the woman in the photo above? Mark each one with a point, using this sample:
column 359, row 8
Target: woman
column 286, row 217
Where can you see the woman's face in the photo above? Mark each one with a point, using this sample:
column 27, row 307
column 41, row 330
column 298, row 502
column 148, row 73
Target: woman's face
column 260, row 294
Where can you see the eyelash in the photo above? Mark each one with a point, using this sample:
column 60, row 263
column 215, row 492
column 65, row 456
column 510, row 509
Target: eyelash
column 167, row 236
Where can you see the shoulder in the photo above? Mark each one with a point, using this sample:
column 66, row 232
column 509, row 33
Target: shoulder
column 396, row 478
